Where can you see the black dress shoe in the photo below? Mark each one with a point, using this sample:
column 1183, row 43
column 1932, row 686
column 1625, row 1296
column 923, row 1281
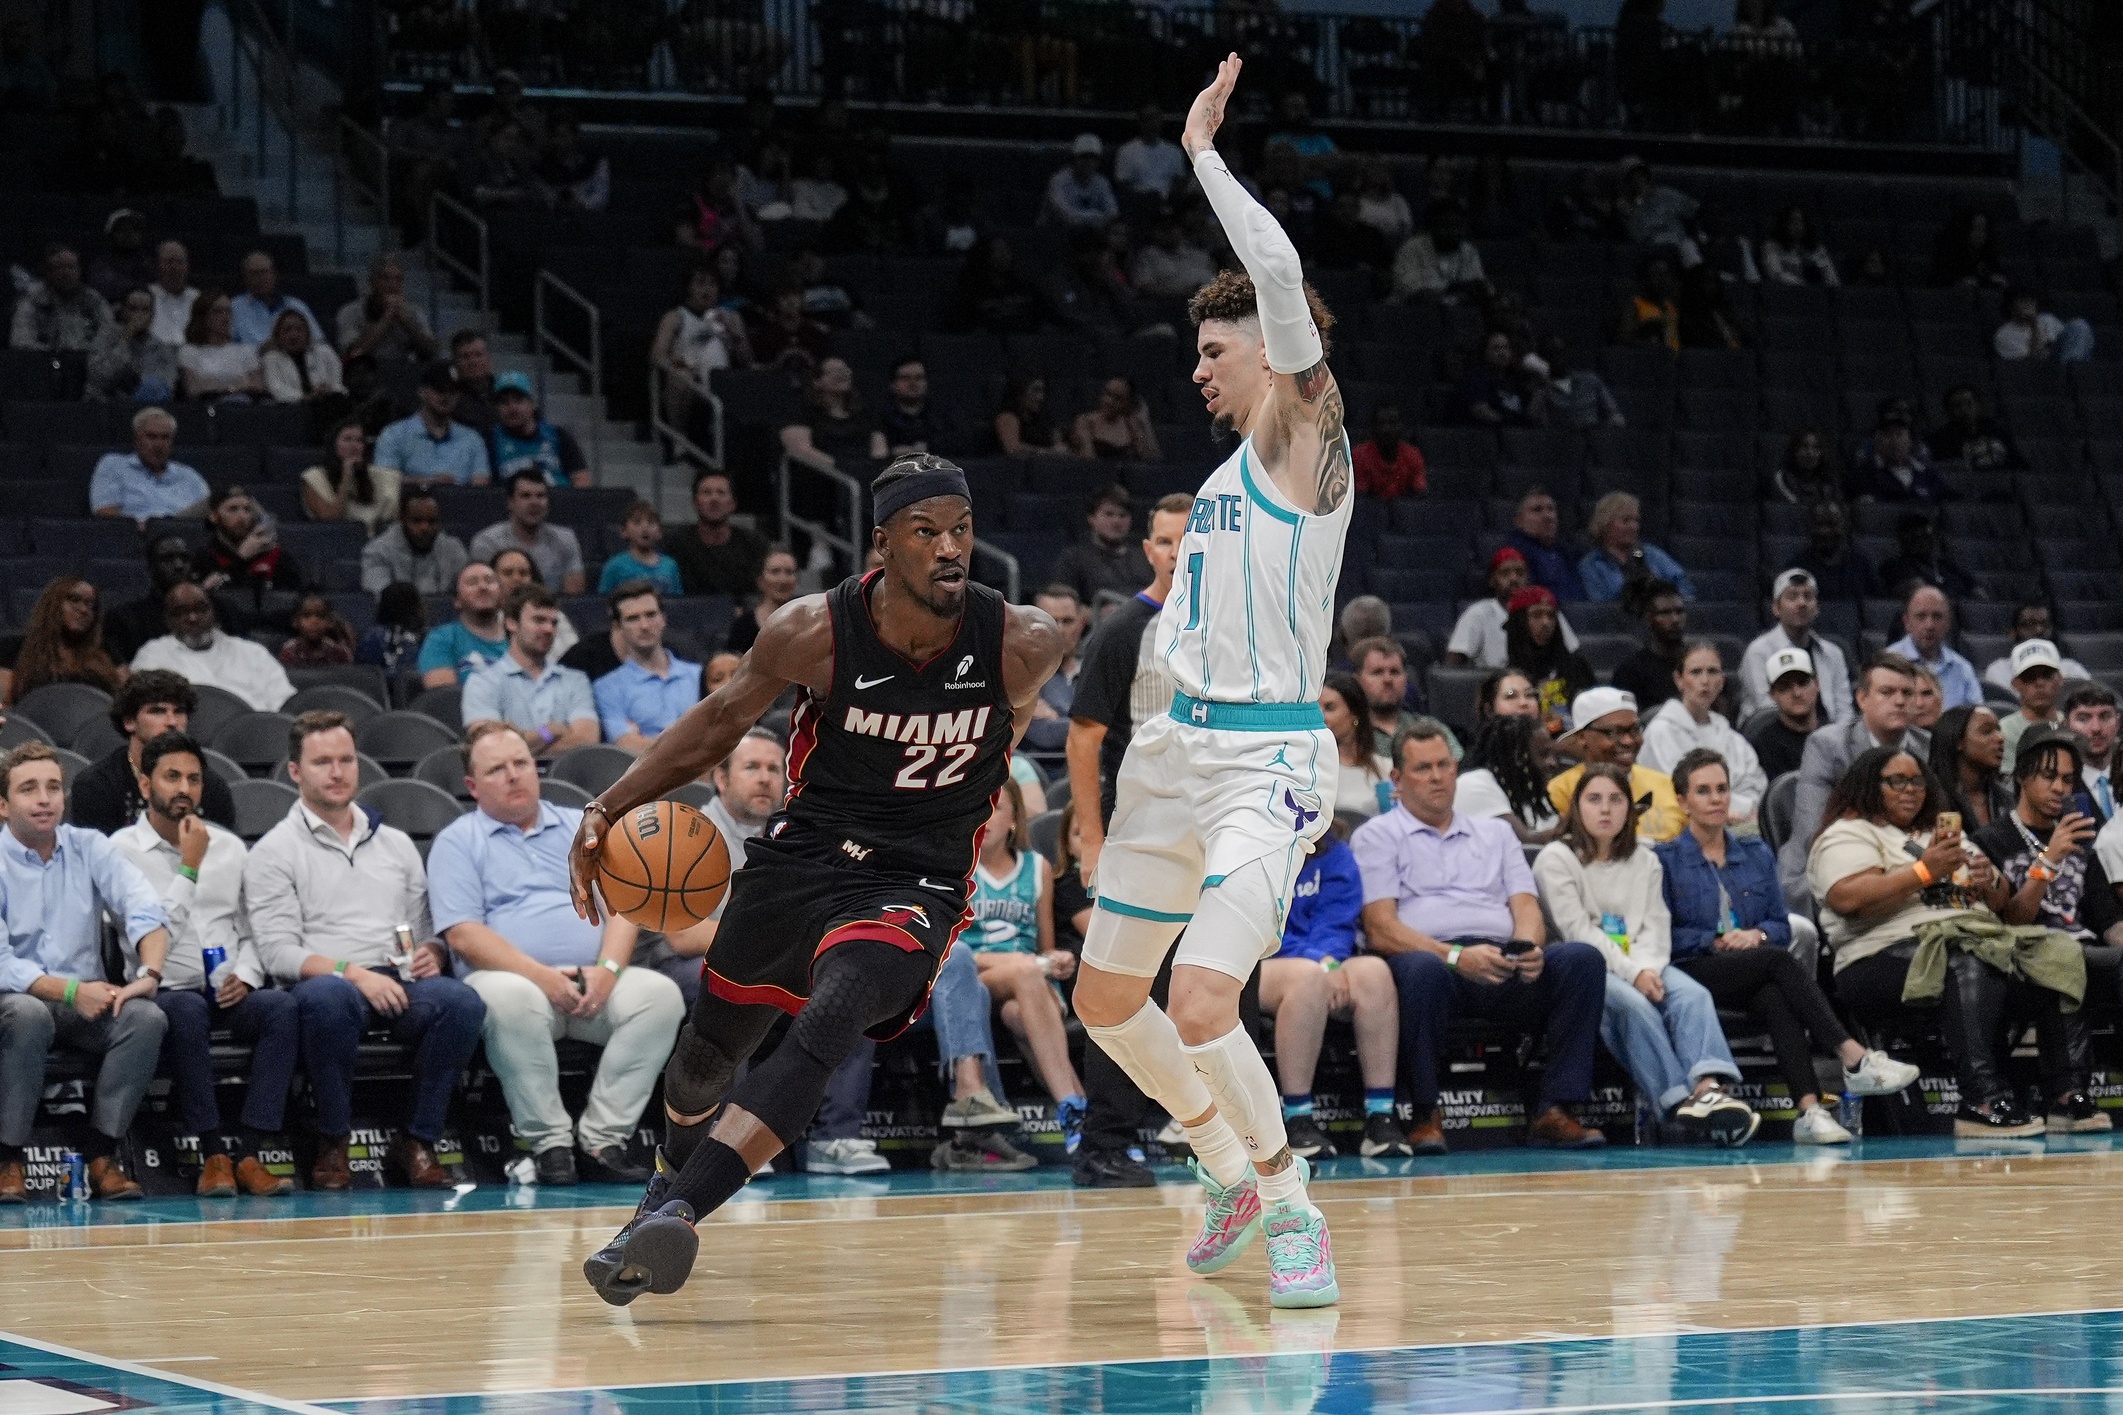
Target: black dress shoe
column 1110, row 1169
column 612, row 1165
column 556, row 1167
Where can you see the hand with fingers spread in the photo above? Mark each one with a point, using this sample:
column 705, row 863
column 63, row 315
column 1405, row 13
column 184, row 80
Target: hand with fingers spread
column 1207, row 114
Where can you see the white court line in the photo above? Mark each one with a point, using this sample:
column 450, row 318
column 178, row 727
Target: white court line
column 1489, row 1343
column 136, row 1369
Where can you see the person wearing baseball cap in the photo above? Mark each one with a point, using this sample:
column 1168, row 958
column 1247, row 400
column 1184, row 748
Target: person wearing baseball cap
column 1604, row 728
column 1478, row 638
column 430, row 447
column 1779, row 735
column 1079, row 197
column 2032, row 620
column 2037, row 681
column 1795, row 599
column 522, row 441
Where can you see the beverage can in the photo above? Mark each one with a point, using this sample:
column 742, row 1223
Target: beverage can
column 216, row 959
column 76, row 1181
column 402, row 936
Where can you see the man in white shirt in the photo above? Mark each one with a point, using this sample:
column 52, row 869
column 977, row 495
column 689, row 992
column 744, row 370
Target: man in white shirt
column 1078, row 195
column 1149, row 163
column 1796, row 601
column 174, row 293
column 2090, row 710
column 2031, row 621
column 1478, row 637
column 206, row 657
column 197, row 869
column 498, row 877
column 328, row 890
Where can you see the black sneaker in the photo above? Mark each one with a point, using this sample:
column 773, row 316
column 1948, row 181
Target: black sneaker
column 1307, row 1138
column 1383, row 1139
column 601, row 1266
column 612, row 1166
column 2076, row 1114
column 2004, row 1120
column 556, row 1167
column 654, row 1253
column 1110, row 1169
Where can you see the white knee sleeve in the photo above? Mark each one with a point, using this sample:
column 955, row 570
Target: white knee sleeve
column 1238, row 1080
column 1123, row 943
column 1238, row 922
column 1147, row 1047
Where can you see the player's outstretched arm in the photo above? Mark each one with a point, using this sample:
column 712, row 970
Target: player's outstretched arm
column 795, row 646
column 1032, row 651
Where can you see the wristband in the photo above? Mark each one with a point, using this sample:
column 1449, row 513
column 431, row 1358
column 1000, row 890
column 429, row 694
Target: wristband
column 155, row 973
column 615, row 969
column 2041, row 870
column 189, row 873
column 545, row 734
column 339, row 968
column 73, row 985
column 1922, row 873
column 1452, row 956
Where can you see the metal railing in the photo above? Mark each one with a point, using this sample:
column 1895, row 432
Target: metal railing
column 477, row 272
column 662, row 425
column 843, row 486
column 2064, row 85
column 546, row 339
column 272, row 91
column 1013, row 575
column 362, row 162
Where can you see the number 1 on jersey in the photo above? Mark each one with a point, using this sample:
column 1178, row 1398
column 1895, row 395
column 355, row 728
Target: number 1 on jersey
column 1194, row 590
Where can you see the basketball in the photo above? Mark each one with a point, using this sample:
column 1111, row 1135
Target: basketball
column 663, row 866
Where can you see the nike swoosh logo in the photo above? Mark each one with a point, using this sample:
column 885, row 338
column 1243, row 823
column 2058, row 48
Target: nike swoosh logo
column 926, row 883
column 861, row 683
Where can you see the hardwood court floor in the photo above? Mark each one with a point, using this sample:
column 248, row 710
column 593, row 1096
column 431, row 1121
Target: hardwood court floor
column 395, row 1295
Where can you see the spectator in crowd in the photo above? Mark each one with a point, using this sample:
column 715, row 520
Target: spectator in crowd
column 199, row 651
column 1689, row 721
column 1380, row 666
column 415, row 549
column 1450, row 903
column 1388, row 466
column 775, row 587
column 1794, row 254
column 1536, row 533
column 715, row 555
column 1147, row 165
column 453, row 652
column 107, row 795
column 652, row 687
column 63, row 643
column 695, row 338
column 127, row 627
column 1578, row 398
column 327, row 890
column 384, row 324
column 1439, row 262
column 431, row 446
column 643, row 559
column 1653, row 314
column 1648, row 674
column 146, row 484
column 2037, row 682
column 471, row 368
column 1652, row 213
column 1381, row 206
column 56, row 882
column 1117, row 427
column 1497, row 391
column 1708, row 318
column 785, row 334
column 1479, row 636
column 1966, row 761
column 1620, row 557
column 173, row 293
column 498, row 886
column 1507, row 692
column 1604, row 728
column 1022, row 427
column 295, row 370
column 2090, row 712
column 393, row 642
column 1317, row 974
column 1795, row 601
column 992, row 294
column 553, row 549
column 834, row 425
column 1109, row 557
column 2032, row 620
column 1807, row 474
column 1922, row 559
column 1172, row 264
column 343, row 486
column 1078, row 194
column 2031, row 332
column 523, row 441
column 526, row 686
column 61, row 314
column 1971, row 436
column 1893, row 466
column 911, row 421
column 1365, row 616
column 1927, row 622
column 1905, row 933
column 213, row 363
column 1364, row 773
column 1534, row 645
column 1886, row 697
column 1779, row 731
column 1606, row 890
column 321, row 639
column 243, row 557
column 720, row 666
column 875, row 220
column 261, row 302
column 1508, row 767
column 1966, row 252
column 197, row 870
column 1049, row 728
column 127, row 361
column 1733, row 935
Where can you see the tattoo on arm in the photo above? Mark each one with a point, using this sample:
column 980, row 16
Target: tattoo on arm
column 1333, row 468
column 1314, row 381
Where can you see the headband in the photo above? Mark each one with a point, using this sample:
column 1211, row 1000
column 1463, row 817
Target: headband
column 923, row 485
column 1528, row 597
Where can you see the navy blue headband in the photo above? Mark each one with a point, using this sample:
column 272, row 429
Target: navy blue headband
column 921, row 486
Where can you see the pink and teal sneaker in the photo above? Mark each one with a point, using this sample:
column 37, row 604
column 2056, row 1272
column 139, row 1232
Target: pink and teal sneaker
column 1300, row 1257
column 1232, row 1221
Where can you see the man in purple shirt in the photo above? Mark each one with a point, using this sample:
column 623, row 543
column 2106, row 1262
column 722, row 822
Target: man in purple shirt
column 1451, row 905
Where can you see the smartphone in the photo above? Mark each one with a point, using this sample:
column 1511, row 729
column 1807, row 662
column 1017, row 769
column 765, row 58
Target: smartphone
column 1949, row 821
column 1518, row 946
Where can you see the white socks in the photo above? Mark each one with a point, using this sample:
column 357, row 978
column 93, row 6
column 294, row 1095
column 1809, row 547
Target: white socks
column 1219, row 1149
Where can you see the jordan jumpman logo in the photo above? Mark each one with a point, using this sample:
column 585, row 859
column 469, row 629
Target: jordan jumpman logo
column 1279, row 759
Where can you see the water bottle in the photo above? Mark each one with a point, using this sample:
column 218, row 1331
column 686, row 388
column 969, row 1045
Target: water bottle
column 1853, row 1114
column 1646, row 1129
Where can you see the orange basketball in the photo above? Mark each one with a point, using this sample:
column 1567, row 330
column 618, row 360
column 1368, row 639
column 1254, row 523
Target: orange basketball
column 663, row 866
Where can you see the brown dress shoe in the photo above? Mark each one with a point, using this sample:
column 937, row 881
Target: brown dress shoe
column 1427, row 1135
column 260, row 1182
column 217, row 1178
column 107, row 1179
column 331, row 1171
column 1556, row 1129
column 417, row 1161
column 14, row 1183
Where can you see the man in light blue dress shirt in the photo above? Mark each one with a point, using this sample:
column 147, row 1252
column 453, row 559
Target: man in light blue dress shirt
column 551, row 702
column 652, row 687
column 144, row 484
column 55, row 882
column 1927, row 622
column 430, row 447
column 251, row 314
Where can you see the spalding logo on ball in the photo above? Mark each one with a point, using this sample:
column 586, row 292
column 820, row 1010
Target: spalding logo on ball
column 664, row 866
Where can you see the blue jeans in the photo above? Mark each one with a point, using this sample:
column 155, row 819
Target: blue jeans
column 1667, row 1046
column 840, row 1114
column 267, row 1020
column 442, row 1016
column 958, row 1010
column 1562, row 1004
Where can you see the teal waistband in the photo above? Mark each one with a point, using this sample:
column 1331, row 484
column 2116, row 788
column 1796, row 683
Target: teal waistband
column 1247, row 717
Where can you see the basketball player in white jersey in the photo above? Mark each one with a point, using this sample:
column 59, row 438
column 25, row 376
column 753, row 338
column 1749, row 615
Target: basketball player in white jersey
column 1219, row 801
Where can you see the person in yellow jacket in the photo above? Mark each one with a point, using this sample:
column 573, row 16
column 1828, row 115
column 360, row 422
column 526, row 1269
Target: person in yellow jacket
column 1604, row 728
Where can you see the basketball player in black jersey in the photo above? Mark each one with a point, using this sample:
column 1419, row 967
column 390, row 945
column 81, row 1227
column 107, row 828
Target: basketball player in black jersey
column 916, row 684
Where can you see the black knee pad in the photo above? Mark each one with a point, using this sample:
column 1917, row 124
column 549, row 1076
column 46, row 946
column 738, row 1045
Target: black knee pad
column 716, row 1040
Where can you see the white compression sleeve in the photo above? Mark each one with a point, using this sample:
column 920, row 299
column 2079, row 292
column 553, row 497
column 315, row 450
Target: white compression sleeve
column 1147, row 1047
column 1287, row 330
